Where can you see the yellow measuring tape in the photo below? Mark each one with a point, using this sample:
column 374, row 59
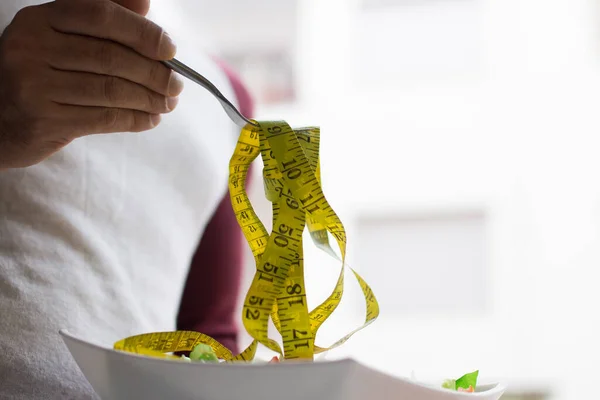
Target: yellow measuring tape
column 278, row 292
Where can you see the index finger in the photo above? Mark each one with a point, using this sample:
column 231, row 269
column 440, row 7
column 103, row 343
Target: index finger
column 107, row 20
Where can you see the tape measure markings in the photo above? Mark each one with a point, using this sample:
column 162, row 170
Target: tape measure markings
column 292, row 183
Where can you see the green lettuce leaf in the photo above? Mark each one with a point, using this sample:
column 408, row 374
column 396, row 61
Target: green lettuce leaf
column 203, row 353
column 449, row 384
column 463, row 382
column 467, row 380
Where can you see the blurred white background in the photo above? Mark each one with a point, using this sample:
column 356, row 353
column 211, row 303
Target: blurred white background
column 460, row 148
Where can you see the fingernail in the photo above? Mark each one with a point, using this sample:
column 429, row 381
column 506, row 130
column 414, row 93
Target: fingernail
column 167, row 46
column 175, row 84
column 155, row 119
column 172, row 102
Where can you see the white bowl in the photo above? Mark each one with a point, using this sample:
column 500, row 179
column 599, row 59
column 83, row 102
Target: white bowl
column 115, row 375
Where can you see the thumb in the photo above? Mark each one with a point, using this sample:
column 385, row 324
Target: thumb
column 138, row 6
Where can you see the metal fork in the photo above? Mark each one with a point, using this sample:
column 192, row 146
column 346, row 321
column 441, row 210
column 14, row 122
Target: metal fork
column 194, row 76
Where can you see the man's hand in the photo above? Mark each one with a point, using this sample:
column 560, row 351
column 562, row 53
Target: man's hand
column 71, row 68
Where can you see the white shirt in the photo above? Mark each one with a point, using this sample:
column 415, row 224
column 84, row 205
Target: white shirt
column 98, row 238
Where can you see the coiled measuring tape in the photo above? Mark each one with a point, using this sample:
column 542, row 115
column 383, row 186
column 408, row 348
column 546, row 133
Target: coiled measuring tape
column 278, row 292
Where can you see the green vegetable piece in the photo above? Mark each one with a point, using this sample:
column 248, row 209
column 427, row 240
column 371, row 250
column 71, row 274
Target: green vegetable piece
column 467, row 380
column 203, row 353
column 449, row 384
